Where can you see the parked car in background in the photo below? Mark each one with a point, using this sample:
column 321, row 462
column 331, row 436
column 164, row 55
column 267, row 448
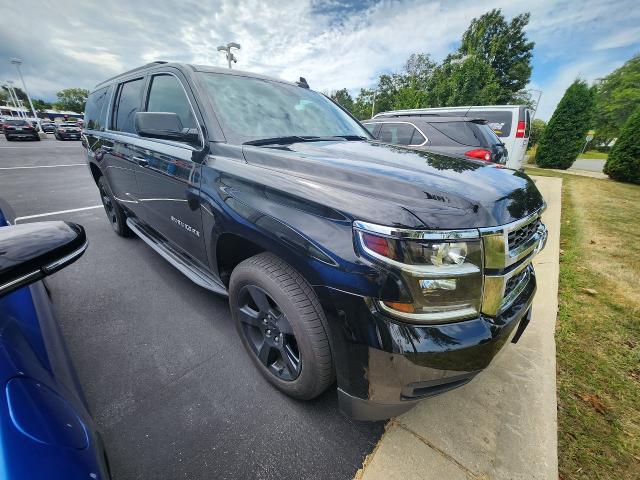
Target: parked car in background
column 19, row 129
column 67, row 131
column 397, row 272
column 45, row 427
column 459, row 136
column 511, row 123
column 48, row 127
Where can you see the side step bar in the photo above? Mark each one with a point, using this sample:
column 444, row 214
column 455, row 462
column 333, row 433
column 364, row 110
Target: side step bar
column 182, row 262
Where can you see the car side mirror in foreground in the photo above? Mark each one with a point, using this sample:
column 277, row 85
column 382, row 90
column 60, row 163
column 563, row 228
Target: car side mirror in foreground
column 164, row 125
column 31, row 251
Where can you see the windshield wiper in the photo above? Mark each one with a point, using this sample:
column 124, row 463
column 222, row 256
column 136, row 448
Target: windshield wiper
column 300, row 138
column 283, row 140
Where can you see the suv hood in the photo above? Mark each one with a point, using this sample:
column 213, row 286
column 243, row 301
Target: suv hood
column 398, row 186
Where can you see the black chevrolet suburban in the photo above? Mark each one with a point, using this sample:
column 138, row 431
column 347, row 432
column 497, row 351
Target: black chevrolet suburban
column 399, row 274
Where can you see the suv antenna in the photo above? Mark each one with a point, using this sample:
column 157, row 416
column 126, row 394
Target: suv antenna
column 467, row 112
column 302, row 83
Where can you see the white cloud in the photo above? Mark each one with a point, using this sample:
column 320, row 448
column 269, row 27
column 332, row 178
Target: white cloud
column 333, row 45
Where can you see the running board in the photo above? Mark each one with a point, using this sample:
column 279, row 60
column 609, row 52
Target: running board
column 171, row 254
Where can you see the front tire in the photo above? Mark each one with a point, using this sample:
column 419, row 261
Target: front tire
column 115, row 214
column 281, row 325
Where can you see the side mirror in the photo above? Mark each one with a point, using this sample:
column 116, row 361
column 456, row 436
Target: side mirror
column 164, row 125
column 31, row 251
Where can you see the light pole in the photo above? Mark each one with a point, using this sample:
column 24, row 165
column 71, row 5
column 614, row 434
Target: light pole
column 17, row 62
column 228, row 53
column 373, row 104
column 11, row 99
column 14, row 98
column 535, row 110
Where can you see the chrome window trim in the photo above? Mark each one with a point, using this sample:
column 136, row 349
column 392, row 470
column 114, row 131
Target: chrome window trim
column 426, row 140
column 404, row 233
column 148, row 86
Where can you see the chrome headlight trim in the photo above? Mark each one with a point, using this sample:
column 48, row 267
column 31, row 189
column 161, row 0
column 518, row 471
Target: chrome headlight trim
column 408, row 234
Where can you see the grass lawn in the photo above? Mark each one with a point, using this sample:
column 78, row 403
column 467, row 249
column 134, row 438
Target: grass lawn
column 594, row 154
column 598, row 329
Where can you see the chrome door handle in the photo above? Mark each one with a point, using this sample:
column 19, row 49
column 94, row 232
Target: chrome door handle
column 143, row 162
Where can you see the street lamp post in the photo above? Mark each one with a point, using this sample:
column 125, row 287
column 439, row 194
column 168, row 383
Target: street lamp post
column 228, row 53
column 13, row 100
column 16, row 100
column 17, row 62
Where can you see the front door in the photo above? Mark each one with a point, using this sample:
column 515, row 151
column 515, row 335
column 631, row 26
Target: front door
column 169, row 180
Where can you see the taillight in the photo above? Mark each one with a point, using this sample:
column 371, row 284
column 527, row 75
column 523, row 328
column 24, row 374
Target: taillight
column 479, row 153
column 520, row 130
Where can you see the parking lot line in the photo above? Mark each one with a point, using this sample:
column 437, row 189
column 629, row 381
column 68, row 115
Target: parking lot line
column 43, row 166
column 35, row 146
column 39, row 215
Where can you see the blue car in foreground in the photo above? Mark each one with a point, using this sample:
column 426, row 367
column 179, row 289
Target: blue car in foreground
column 46, row 431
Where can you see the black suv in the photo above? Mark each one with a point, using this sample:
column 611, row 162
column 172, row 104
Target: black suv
column 14, row 129
column 398, row 273
column 459, row 136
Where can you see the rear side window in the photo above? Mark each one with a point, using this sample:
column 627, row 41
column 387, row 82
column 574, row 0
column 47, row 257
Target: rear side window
column 462, row 132
column 400, row 134
column 127, row 105
column 167, row 95
column 370, row 127
column 500, row 122
column 527, row 123
column 94, row 112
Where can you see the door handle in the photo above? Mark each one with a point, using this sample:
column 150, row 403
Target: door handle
column 106, row 148
column 143, row 162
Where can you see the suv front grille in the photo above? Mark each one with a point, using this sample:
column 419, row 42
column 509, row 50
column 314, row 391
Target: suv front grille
column 520, row 236
column 514, row 281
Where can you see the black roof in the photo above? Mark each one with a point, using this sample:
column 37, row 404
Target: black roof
column 193, row 68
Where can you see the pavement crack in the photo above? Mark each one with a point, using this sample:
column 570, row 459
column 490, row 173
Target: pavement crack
column 438, row 450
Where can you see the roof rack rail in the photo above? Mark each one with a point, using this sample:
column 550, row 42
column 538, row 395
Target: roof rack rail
column 147, row 65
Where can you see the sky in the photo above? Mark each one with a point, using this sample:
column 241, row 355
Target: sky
column 333, row 44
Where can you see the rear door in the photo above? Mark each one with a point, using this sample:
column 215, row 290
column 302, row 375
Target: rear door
column 116, row 151
column 169, row 179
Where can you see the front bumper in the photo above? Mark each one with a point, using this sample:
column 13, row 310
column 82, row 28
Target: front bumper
column 384, row 367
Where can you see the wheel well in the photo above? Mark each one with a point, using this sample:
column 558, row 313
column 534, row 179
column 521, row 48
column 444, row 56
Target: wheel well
column 95, row 172
column 232, row 249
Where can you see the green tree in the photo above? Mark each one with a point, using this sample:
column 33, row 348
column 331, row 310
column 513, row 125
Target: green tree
column 504, row 46
column 463, row 80
column 537, row 128
column 39, row 104
column 73, row 99
column 623, row 162
column 563, row 138
column 618, row 97
column 362, row 104
column 342, row 97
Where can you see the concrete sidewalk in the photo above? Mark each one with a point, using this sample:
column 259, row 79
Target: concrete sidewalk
column 503, row 424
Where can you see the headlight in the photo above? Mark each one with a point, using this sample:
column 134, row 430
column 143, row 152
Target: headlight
column 444, row 276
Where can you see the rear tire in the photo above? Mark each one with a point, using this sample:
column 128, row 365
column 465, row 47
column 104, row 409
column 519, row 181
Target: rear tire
column 115, row 214
column 284, row 330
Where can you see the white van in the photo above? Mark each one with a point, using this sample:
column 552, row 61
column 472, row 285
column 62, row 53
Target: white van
column 512, row 124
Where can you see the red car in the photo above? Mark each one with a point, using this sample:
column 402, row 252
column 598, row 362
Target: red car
column 19, row 129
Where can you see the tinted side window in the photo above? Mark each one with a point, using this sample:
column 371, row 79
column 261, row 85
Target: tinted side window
column 370, row 126
column 167, row 95
column 500, row 122
column 460, row 132
column 527, row 123
column 398, row 133
column 93, row 112
column 127, row 105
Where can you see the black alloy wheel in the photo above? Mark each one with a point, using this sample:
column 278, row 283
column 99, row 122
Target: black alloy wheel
column 268, row 333
column 115, row 214
column 282, row 326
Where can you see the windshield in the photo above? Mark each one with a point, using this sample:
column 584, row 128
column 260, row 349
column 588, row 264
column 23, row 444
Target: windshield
column 16, row 122
column 253, row 109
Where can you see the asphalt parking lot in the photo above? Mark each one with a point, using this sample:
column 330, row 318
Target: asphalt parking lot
column 168, row 382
